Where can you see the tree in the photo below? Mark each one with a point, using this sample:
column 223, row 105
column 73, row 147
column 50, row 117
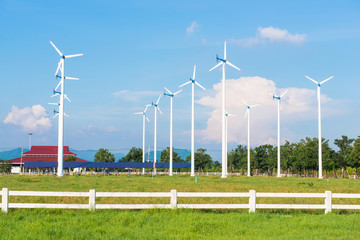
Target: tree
column 134, row 155
column 345, row 148
column 103, row 155
column 265, row 157
column 355, row 154
column 5, row 166
column 237, row 158
column 165, row 156
column 70, row 158
column 202, row 159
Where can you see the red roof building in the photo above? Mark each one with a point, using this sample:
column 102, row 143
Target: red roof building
column 44, row 154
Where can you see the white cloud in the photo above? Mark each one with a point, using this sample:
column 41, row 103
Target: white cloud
column 281, row 35
column 135, row 95
column 298, row 104
column 271, row 34
column 31, row 119
column 192, row 28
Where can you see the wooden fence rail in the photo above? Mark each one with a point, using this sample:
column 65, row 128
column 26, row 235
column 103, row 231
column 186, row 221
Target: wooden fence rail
column 173, row 195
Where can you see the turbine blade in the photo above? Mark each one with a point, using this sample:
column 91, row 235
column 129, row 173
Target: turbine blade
column 168, row 90
column 71, row 78
column 147, row 119
column 232, row 65
column 326, row 80
column 194, row 72
column 137, row 113
column 284, row 93
column 256, row 105
column 311, row 79
column 146, row 107
column 247, row 112
column 225, row 50
column 74, row 55
column 56, row 48
column 159, row 110
column 178, row 92
column 157, row 102
column 56, row 104
column 232, row 115
column 56, row 94
column 58, row 85
column 58, row 68
column 200, row 85
column 66, row 115
column 65, row 96
column 185, row 84
column 216, row 66
column 55, row 115
column 244, row 102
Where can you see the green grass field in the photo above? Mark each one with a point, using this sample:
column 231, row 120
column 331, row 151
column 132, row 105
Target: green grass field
column 181, row 223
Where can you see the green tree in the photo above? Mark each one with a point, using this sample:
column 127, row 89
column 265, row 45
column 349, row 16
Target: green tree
column 5, row 166
column 103, row 155
column 355, row 154
column 70, row 158
column 134, row 155
column 165, row 156
column 237, row 158
column 265, row 157
column 345, row 147
column 202, row 159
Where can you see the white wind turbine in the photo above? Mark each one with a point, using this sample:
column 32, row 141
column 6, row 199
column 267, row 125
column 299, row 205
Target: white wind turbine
column 171, row 95
column 223, row 62
column 156, row 107
column 192, row 80
column 319, row 120
column 143, row 143
column 248, row 107
column 278, row 135
column 227, row 115
column 61, row 67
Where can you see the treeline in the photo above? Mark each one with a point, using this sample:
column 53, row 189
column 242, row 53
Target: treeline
column 296, row 158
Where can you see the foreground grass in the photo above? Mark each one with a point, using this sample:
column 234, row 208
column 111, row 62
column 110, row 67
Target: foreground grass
column 175, row 224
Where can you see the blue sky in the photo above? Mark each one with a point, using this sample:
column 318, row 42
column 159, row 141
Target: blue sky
column 134, row 48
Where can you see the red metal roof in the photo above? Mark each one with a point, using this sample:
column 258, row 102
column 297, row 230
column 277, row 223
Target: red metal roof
column 47, row 150
column 39, row 159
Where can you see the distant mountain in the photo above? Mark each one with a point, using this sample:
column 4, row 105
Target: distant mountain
column 11, row 154
column 90, row 154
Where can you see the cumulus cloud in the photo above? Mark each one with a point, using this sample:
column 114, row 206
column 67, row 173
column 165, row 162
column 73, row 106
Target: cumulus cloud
column 135, row 95
column 298, row 104
column 271, row 34
column 194, row 26
column 31, row 119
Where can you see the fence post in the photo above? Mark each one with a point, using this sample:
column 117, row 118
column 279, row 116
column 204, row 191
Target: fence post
column 173, row 200
column 328, row 201
column 92, row 195
column 5, row 200
column 252, row 201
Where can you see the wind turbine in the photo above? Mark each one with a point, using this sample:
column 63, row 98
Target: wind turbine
column 319, row 120
column 248, row 107
column 223, row 62
column 192, row 80
column 143, row 143
column 156, row 107
column 227, row 115
column 171, row 95
column 61, row 67
column 278, row 135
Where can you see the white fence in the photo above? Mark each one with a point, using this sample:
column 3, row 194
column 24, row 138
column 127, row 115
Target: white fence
column 173, row 195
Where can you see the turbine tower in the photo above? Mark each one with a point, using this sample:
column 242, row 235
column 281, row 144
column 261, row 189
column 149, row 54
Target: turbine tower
column 227, row 115
column 156, row 108
column 278, row 134
column 247, row 114
column 223, row 62
column 192, row 80
column 171, row 95
column 143, row 143
column 319, row 120
column 61, row 67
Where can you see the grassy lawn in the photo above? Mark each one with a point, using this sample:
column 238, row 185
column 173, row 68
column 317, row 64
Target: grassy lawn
column 181, row 223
